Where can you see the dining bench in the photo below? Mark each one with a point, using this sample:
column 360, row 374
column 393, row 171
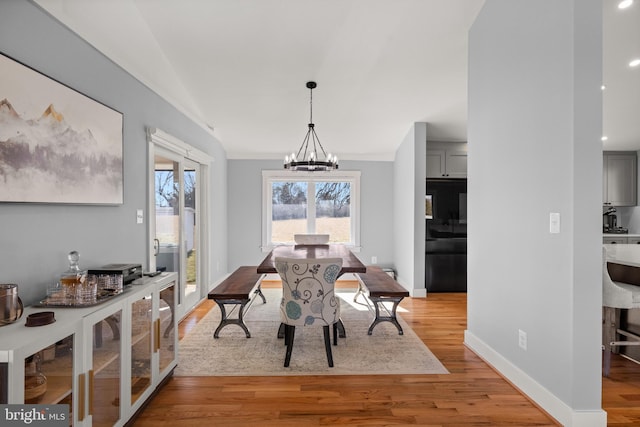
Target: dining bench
column 381, row 288
column 238, row 290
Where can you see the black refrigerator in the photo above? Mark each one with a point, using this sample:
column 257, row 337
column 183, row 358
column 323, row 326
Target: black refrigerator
column 446, row 235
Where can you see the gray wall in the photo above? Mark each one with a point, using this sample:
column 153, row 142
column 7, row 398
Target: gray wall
column 245, row 210
column 409, row 183
column 534, row 148
column 35, row 238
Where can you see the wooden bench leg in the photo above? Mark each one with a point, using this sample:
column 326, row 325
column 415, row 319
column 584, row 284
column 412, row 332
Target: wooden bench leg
column 391, row 314
column 225, row 320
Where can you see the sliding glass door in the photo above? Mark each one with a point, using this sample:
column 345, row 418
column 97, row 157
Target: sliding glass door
column 177, row 231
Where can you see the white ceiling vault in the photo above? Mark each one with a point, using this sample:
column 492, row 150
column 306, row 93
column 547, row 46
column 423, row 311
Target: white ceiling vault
column 240, row 67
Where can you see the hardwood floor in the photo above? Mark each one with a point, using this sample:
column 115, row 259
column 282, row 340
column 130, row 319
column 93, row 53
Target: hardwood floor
column 471, row 395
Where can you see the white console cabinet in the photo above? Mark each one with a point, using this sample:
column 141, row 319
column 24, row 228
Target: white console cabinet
column 103, row 361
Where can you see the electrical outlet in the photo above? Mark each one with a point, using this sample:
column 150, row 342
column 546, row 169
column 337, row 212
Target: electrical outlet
column 374, row 260
column 522, row 339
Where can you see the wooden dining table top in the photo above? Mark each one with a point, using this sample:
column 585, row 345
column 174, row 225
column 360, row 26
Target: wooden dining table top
column 350, row 262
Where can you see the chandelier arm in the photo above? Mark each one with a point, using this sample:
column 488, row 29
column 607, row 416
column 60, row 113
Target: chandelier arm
column 316, row 139
column 305, row 144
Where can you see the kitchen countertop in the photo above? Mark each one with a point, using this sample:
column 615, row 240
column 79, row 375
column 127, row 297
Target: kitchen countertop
column 624, row 254
column 620, row 235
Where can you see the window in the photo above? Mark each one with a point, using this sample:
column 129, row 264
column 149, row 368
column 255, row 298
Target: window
column 298, row 203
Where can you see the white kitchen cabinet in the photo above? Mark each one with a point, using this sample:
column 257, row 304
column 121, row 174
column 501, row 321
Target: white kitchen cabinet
column 446, row 164
column 619, row 177
column 104, row 361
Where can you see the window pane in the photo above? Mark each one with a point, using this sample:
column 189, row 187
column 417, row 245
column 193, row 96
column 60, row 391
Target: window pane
column 333, row 210
column 190, row 228
column 167, row 196
column 288, row 210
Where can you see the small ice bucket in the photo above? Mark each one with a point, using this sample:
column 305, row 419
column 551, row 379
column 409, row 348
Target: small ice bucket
column 10, row 304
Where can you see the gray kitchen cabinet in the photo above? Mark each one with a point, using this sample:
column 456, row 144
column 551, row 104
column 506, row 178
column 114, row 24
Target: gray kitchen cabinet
column 615, row 240
column 633, row 240
column 619, row 177
column 446, row 164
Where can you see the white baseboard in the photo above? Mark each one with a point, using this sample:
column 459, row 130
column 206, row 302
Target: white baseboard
column 536, row 392
column 418, row 293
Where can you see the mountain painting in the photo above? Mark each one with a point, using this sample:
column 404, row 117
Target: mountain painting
column 56, row 145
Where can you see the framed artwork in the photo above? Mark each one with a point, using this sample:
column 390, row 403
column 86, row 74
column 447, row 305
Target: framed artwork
column 56, row 144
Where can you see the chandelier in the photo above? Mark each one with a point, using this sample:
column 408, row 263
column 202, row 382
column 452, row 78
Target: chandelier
column 308, row 157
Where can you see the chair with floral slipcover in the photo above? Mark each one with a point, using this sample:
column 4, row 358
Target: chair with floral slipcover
column 308, row 298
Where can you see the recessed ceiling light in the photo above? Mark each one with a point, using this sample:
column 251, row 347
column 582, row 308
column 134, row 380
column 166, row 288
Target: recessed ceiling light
column 625, row 4
column 603, row 87
column 604, row 138
column 634, row 63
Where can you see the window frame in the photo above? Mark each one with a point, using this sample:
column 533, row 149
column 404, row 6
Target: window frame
column 271, row 176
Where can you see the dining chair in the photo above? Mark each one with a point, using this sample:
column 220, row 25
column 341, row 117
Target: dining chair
column 615, row 296
column 311, row 239
column 308, row 298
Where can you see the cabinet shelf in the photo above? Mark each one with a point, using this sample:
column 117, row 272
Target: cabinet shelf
column 58, row 388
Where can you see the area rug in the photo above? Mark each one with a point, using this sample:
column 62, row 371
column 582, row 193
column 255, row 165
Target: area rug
column 232, row 354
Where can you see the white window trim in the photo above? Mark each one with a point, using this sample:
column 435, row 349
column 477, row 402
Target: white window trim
column 171, row 143
column 269, row 176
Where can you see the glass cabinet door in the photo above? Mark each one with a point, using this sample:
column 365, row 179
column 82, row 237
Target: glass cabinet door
column 105, row 376
column 141, row 351
column 166, row 333
column 48, row 375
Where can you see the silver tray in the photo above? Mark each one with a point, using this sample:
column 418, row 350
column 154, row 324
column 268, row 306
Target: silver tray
column 62, row 302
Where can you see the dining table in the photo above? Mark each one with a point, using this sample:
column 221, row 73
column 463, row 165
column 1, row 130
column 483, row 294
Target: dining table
column 350, row 264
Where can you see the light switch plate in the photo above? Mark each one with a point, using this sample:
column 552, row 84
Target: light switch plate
column 139, row 216
column 554, row 222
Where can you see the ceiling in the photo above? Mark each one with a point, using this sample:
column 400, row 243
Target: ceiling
column 240, row 67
